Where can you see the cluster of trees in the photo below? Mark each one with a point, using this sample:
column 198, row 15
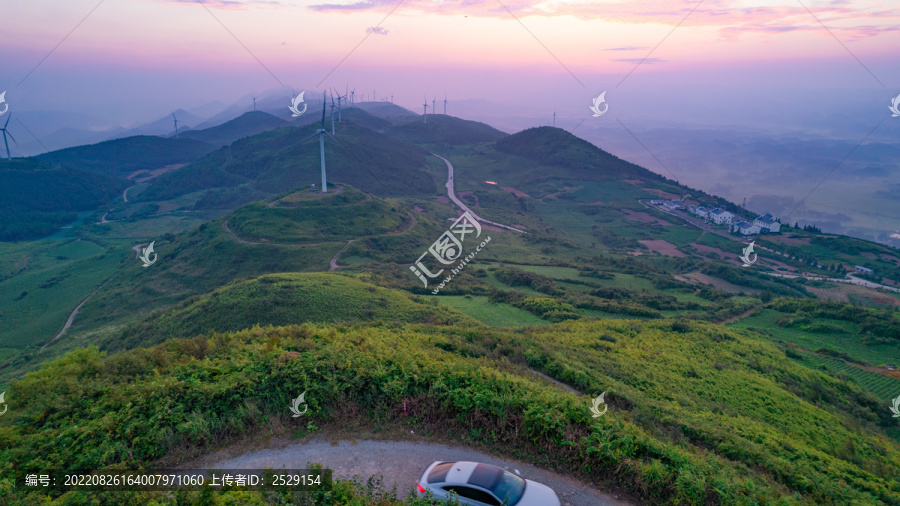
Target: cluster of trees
column 873, row 322
column 37, row 198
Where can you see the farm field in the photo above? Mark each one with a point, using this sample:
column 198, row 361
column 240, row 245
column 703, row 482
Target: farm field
column 880, row 386
column 848, row 342
column 496, row 315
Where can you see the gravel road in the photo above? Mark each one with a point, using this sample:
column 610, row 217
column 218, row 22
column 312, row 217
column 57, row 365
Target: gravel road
column 401, row 463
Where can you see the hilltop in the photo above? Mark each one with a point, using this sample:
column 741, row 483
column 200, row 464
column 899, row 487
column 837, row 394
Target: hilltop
column 250, row 123
column 283, row 299
column 279, row 160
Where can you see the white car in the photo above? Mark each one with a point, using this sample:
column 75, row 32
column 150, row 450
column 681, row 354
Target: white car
column 475, row 484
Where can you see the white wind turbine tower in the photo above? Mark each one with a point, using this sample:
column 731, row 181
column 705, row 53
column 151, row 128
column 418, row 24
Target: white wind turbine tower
column 332, row 115
column 254, row 102
column 352, row 97
column 5, row 133
column 445, row 104
column 176, row 124
column 425, row 114
column 433, row 108
column 339, row 98
column 392, row 98
column 321, row 132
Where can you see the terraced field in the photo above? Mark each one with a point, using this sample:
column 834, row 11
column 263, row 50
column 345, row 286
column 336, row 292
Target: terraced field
column 880, row 386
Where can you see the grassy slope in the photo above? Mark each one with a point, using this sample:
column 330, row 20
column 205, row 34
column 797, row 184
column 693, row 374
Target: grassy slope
column 131, row 154
column 696, row 416
column 283, row 299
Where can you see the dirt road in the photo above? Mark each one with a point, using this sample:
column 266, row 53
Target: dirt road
column 401, row 463
column 452, row 194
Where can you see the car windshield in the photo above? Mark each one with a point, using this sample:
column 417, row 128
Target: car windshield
column 506, row 486
column 509, row 488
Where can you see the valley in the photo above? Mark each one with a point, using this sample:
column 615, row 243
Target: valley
column 724, row 384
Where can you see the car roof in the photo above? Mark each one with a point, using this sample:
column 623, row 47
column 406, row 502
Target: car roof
column 460, row 472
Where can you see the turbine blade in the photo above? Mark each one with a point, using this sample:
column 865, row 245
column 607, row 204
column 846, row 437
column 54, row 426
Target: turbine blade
column 308, row 138
column 11, row 137
column 7, row 121
column 323, row 109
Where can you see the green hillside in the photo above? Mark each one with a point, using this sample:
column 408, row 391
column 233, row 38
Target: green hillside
column 37, row 198
column 249, row 123
column 443, row 130
column 129, row 155
column 284, row 299
column 697, row 414
column 304, row 217
column 277, row 161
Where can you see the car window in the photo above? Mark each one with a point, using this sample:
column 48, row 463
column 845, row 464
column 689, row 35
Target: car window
column 505, row 485
column 473, row 493
column 439, row 472
column 509, row 488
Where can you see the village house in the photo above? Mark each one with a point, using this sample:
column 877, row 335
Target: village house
column 767, row 223
column 721, row 217
column 744, row 228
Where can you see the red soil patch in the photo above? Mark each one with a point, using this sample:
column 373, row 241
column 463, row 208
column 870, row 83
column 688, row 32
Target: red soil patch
column 659, row 193
column 566, row 189
column 721, row 284
column 787, row 240
column 443, row 200
column 515, row 192
column 417, row 208
column 154, row 173
column 643, row 217
column 662, row 247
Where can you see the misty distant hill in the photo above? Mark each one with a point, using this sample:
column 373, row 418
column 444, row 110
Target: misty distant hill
column 128, row 155
column 386, row 110
column 250, row 123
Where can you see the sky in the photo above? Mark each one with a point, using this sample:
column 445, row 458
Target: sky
column 129, row 61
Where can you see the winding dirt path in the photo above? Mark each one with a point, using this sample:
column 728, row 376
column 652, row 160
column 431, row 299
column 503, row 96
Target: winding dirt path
column 401, row 464
column 452, row 194
column 334, row 264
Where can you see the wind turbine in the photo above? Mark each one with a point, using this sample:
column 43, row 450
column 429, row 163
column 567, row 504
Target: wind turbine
column 392, row 98
column 445, row 104
column 321, row 132
column 433, row 108
column 5, row 133
column 554, row 119
column 353, row 97
column 425, row 115
column 176, row 124
column 332, row 115
column 254, row 102
column 339, row 97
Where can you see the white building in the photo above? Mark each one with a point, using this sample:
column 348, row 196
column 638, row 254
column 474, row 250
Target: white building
column 721, row 217
column 745, row 228
column 768, row 223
